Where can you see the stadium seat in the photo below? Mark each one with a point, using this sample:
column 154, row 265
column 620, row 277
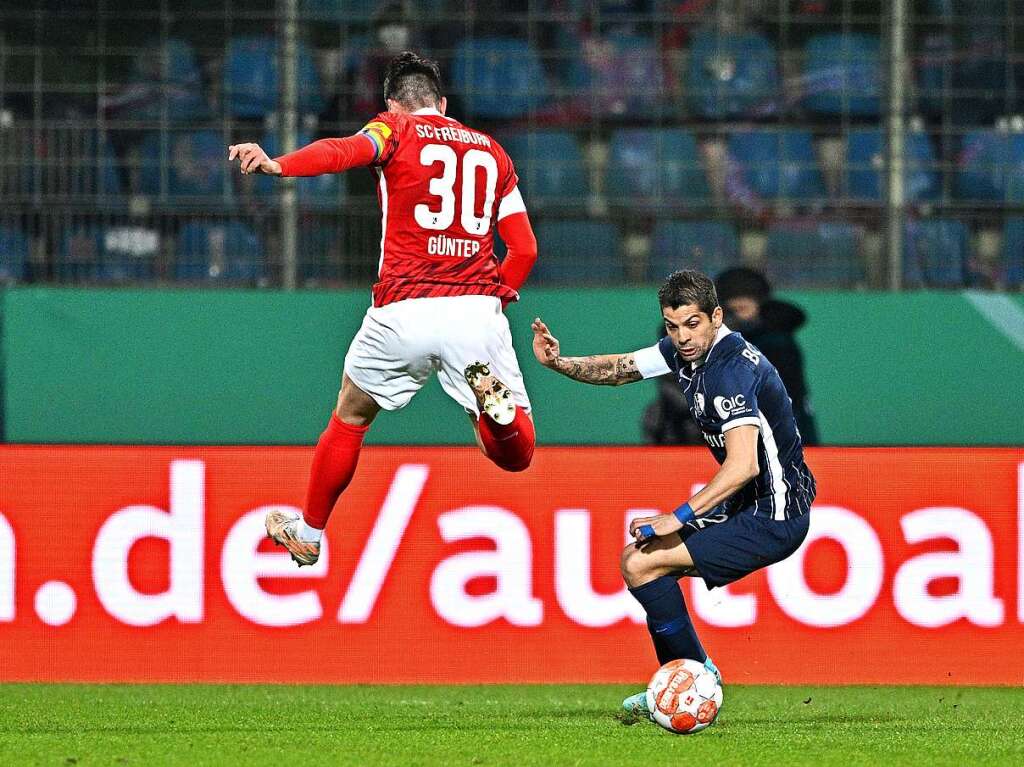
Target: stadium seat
column 628, row 81
column 990, row 167
column 111, row 254
column 843, row 74
column 498, row 77
column 814, row 254
column 578, row 252
column 550, row 167
column 14, row 253
column 178, row 87
column 777, row 164
column 935, row 254
column 707, row 246
column 250, row 78
column 194, row 163
column 339, row 10
column 76, row 162
column 732, row 75
column 655, row 168
column 865, row 165
column 1013, row 252
column 219, row 252
column 326, row 191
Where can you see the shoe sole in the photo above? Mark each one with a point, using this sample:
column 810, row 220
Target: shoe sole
column 495, row 399
column 302, row 560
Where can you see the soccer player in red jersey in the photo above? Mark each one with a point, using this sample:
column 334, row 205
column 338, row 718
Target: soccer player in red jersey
column 438, row 301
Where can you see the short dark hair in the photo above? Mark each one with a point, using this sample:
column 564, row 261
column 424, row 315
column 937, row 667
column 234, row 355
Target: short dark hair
column 412, row 81
column 689, row 287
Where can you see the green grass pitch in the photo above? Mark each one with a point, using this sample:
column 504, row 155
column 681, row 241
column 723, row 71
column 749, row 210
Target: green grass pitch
column 499, row 725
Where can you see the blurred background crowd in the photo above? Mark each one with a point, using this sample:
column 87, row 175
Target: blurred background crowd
column 647, row 133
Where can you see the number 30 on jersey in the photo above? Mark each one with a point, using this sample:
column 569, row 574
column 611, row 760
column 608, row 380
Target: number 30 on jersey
column 443, row 187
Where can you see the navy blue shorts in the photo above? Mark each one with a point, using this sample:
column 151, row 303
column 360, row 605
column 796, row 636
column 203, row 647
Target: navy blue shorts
column 725, row 548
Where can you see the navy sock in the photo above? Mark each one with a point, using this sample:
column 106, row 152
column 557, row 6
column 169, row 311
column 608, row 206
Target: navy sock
column 661, row 649
column 668, row 621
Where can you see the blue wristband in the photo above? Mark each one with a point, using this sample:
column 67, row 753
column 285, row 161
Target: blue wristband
column 644, row 532
column 684, row 513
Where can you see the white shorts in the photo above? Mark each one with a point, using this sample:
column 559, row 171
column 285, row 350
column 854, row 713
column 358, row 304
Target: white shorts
column 399, row 345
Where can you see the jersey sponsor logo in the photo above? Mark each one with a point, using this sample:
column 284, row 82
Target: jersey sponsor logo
column 730, row 406
column 752, row 354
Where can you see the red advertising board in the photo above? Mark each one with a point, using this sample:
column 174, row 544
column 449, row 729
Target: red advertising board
column 149, row 564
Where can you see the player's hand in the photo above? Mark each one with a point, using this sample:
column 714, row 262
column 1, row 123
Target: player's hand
column 253, row 159
column 545, row 345
column 645, row 529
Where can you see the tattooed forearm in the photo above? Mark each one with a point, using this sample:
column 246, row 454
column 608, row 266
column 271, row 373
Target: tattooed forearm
column 601, row 369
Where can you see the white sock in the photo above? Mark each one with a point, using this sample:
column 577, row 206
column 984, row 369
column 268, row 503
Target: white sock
column 307, row 533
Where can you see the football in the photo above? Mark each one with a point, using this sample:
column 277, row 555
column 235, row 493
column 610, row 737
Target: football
column 684, row 696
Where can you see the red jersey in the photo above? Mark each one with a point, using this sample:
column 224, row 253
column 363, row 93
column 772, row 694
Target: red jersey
column 442, row 189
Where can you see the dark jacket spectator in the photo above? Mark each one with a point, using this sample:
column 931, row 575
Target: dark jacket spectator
column 770, row 325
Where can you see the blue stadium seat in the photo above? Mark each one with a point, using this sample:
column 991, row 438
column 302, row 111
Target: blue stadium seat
column 732, row 75
column 219, row 252
column 498, row 77
column 843, row 74
column 112, row 254
column 707, row 246
column 179, row 87
column 578, row 252
column 194, row 162
column 777, row 164
column 865, row 163
column 326, row 191
column 250, row 78
column 129, row 253
column 655, row 168
column 814, row 253
column 550, row 167
column 629, row 82
column 935, row 254
column 75, row 162
column 339, row 10
column 1013, row 252
column 14, row 252
column 990, row 167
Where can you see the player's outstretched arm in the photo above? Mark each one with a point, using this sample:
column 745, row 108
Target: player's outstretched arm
column 252, row 159
column 601, row 369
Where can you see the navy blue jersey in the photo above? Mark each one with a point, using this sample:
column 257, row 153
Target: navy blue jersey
column 737, row 386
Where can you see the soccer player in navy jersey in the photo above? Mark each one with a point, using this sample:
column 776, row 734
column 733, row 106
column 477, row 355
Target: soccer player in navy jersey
column 755, row 511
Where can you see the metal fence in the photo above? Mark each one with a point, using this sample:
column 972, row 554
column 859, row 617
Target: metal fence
column 783, row 135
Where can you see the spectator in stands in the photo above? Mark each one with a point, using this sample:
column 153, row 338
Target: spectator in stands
column 770, row 324
column 392, row 33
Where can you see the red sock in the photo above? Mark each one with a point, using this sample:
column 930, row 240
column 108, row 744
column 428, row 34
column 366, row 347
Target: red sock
column 509, row 446
column 334, row 463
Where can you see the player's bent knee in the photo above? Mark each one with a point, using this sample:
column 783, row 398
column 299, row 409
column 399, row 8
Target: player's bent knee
column 635, row 570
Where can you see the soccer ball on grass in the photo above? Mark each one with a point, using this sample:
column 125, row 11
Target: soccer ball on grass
column 684, row 697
